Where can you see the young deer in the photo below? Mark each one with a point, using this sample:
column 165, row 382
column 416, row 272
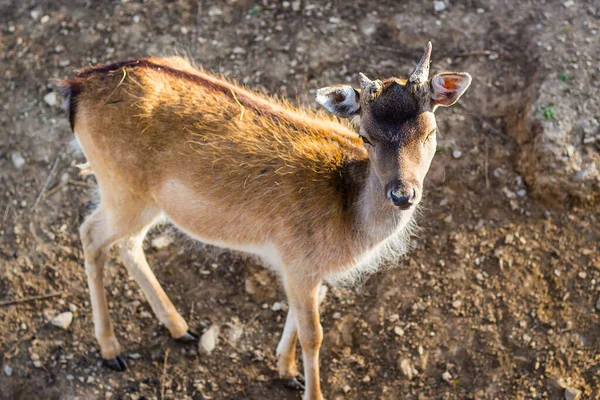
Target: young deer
column 239, row 170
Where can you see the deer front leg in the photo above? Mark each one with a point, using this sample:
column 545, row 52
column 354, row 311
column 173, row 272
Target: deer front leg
column 286, row 349
column 304, row 305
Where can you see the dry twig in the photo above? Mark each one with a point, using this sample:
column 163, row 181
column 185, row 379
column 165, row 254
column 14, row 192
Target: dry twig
column 28, row 299
column 46, row 183
column 164, row 375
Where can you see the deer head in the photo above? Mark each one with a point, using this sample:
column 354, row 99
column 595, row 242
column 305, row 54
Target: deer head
column 397, row 123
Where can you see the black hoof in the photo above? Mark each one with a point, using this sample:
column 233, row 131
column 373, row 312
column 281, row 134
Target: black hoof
column 188, row 338
column 296, row 383
column 117, row 363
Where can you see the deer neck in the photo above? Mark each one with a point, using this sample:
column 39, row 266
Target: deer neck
column 375, row 218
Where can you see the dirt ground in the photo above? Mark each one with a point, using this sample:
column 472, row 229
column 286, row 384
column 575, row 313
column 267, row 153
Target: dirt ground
column 498, row 299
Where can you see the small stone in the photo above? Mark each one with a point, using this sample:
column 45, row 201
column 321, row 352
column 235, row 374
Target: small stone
column 37, row 364
column 51, row 99
column 214, row 11
column 398, row 331
column 456, row 303
column 447, row 376
column 598, row 304
column 72, row 307
column 63, row 320
column 35, row 13
column 208, row 341
column 17, row 159
column 162, row 241
column 135, row 356
column 521, row 192
column 406, row 368
column 572, row 393
column 456, row 154
column 569, row 3
column 44, row 19
column 526, row 338
column 238, row 50
column 8, row 370
column 439, row 6
column 346, row 388
column 34, row 356
column 276, row 306
column 70, row 377
column 582, row 275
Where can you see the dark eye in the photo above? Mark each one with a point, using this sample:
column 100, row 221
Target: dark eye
column 366, row 141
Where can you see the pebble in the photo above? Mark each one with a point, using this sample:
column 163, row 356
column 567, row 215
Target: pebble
column 406, row 368
column 439, row 6
column 447, row 376
column 572, row 393
column 582, row 275
column 398, row 331
column 598, row 304
column 135, row 356
column 276, row 306
column 44, row 19
column 457, row 154
column 35, row 13
column 63, row 320
column 8, row 370
column 17, row 159
column 569, row 3
column 456, row 303
column 208, row 341
column 215, row 11
column 346, row 388
column 51, row 99
column 162, row 241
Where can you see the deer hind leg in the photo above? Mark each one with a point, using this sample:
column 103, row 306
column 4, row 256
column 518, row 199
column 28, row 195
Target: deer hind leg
column 286, row 350
column 304, row 303
column 132, row 255
column 97, row 234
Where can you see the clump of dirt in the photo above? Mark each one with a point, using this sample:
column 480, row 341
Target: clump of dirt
column 498, row 299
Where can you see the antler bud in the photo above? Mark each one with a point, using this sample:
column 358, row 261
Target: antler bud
column 421, row 72
column 370, row 89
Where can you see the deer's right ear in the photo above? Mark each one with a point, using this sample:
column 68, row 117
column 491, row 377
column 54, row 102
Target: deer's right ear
column 341, row 100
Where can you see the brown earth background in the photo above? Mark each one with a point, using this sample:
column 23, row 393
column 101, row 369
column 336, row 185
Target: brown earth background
column 498, row 299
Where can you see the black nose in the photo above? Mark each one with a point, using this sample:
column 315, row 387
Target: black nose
column 403, row 199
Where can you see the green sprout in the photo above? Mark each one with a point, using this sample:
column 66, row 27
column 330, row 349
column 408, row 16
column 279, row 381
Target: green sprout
column 254, row 10
column 549, row 112
column 563, row 77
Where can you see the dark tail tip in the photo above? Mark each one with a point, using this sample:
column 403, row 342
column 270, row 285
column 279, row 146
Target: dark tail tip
column 70, row 90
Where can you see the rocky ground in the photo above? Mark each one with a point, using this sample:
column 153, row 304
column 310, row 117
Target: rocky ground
column 500, row 298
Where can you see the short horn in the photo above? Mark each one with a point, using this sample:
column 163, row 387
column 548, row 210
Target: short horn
column 421, row 72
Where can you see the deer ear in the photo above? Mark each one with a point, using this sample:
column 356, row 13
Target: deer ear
column 341, row 100
column 447, row 87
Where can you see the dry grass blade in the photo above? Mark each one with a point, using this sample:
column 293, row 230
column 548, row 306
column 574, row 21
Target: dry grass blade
column 164, row 375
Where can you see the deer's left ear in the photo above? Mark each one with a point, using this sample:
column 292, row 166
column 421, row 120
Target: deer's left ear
column 341, row 100
column 447, row 87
